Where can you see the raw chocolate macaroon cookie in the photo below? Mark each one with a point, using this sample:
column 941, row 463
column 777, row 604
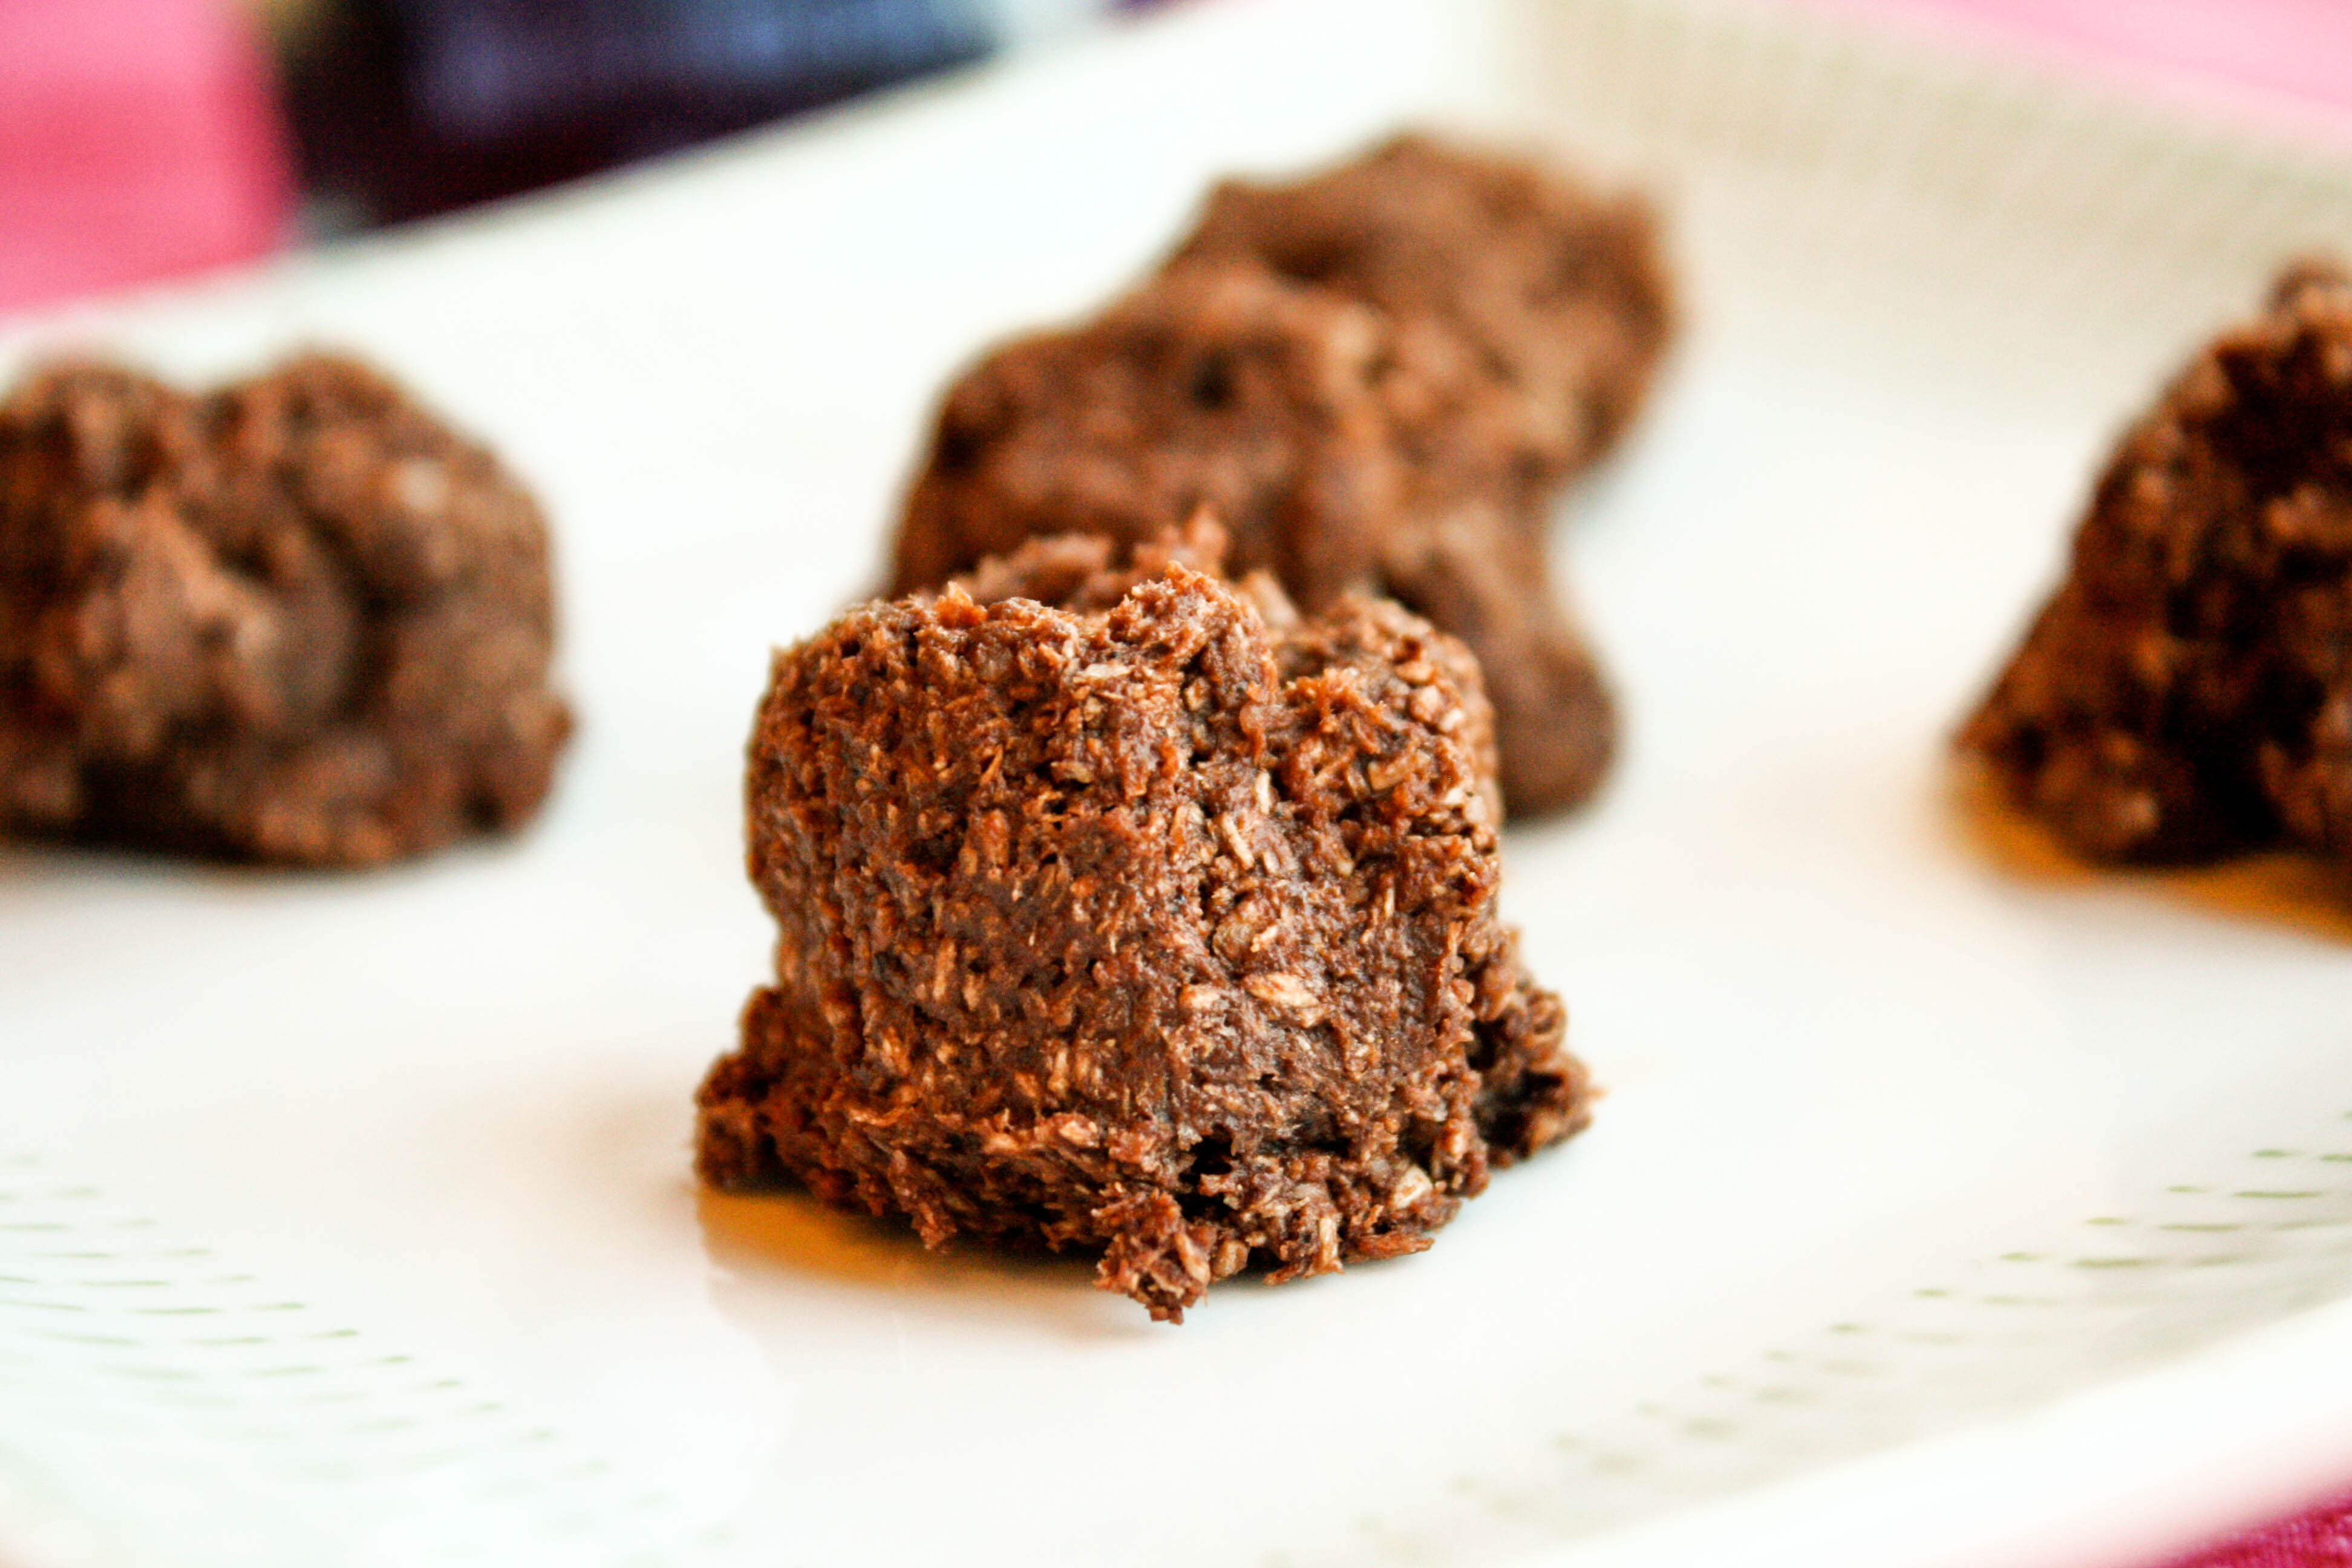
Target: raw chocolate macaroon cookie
column 2187, row 692
column 300, row 620
column 1154, row 928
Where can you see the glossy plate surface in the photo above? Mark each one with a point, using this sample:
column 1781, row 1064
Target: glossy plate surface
column 1948, row 1205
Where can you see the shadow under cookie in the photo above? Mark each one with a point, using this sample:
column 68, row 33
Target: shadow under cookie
column 2279, row 887
column 800, row 1231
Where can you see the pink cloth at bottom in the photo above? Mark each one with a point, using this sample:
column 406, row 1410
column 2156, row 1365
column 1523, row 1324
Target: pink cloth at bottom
column 2321, row 1538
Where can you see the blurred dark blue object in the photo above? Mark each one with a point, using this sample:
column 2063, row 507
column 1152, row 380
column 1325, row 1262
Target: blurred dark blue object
column 486, row 68
column 403, row 108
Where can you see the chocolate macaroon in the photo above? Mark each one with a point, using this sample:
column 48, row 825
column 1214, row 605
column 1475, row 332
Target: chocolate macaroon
column 1161, row 926
column 300, row 620
column 2187, row 694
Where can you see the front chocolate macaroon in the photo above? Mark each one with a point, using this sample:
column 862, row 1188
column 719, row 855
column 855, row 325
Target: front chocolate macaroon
column 1156, row 930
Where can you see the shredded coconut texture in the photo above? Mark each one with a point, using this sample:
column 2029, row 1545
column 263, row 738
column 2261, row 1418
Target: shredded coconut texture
column 1162, row 929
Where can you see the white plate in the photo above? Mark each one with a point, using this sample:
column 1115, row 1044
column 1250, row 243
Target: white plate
column 1945, row 1207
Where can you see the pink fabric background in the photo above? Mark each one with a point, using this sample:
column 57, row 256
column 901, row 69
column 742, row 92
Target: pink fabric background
column 140, row 139
column 2298, row 51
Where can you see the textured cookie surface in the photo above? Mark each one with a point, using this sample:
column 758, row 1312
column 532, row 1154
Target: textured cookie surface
column 1157, row 931
column 298, row 620
column 2188, row 690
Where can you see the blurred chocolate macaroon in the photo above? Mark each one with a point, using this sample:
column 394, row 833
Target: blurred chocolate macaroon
column 298, row 620
column 1122, row 910
column 2187, row 692
column 1560, row 291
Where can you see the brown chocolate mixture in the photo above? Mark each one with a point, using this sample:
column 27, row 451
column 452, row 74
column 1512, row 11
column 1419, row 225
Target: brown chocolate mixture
column 1153, row 926
column 2187, row 692
column 1375, row 377
column 297, row 620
